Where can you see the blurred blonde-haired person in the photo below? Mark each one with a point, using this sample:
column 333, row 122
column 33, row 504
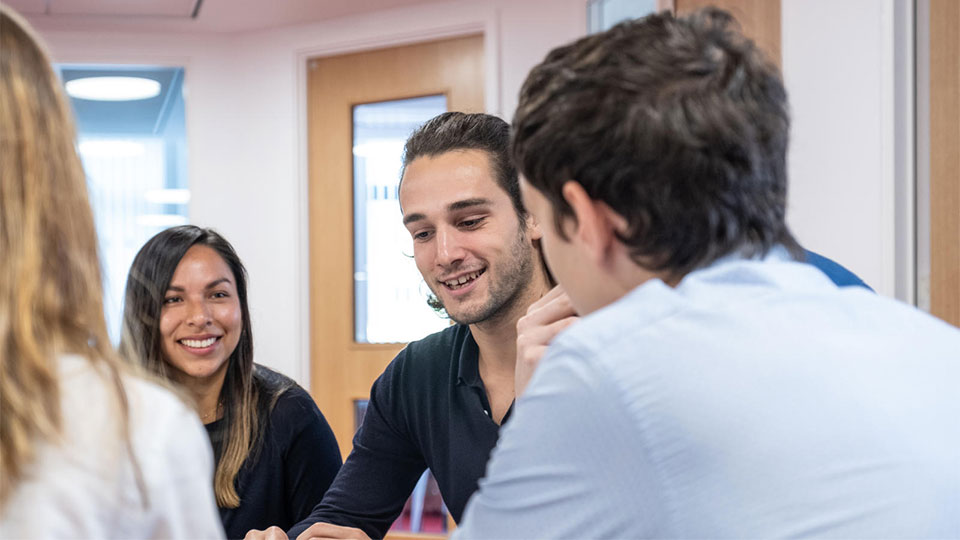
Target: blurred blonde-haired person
column 90, row 449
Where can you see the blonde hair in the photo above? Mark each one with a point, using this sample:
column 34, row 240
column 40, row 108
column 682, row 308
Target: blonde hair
column 50, row 282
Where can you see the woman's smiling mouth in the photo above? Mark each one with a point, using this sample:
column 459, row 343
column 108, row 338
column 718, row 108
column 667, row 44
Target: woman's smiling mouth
column 199, row 345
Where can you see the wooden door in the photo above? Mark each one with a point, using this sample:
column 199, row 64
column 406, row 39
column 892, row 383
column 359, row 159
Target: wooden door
column 342, row 370
column 944, row 125
column 760, row 20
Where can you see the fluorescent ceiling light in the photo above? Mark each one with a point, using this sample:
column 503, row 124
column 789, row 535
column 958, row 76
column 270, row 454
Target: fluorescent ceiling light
column 113, row 88
column 161, row 220
column 110, row 148
column 168, row 196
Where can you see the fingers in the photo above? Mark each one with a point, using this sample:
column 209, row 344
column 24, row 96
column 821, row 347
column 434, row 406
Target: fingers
column 545, row 318
column 531, row 346
column 531, row 356
column 555, row 306
column 552, row 294
column 324, row 531
column 532, row 342
column 545, row 334
column 273, row 533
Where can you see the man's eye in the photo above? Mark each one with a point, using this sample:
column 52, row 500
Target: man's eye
column 422, row 235
column 471, row 223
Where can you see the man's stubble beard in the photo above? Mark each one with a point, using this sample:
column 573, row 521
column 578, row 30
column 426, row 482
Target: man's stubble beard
column 504, row 292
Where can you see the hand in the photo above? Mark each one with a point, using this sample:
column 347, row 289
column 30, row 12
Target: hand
column 323, row 531
column 273, row 533
column 545, row 319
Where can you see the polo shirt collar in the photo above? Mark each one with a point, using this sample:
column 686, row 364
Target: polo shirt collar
column 468, row 371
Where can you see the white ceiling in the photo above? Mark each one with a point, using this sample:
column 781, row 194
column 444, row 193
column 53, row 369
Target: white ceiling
column 153, row 8
column 175, row 15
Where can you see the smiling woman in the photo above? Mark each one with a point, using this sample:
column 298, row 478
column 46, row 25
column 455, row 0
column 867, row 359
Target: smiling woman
column 186, row 318
column 201, row 323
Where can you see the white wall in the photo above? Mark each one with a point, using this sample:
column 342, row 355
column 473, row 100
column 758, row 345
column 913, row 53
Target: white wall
column 246, row 136
column 850, row 166
column 245, row 110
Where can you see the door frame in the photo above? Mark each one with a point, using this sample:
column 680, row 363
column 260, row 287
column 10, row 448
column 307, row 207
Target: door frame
column 939, row 76
column 485, row 22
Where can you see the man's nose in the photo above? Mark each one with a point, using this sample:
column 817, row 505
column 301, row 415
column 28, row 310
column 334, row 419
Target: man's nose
column 450, row 249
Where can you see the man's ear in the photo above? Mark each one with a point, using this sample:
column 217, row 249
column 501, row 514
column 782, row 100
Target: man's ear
column 596, row 223
column 533, row 227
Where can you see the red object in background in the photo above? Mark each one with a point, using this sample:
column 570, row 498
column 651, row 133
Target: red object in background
column 432, row 516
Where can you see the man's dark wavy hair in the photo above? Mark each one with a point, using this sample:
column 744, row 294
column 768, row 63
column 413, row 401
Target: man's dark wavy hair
column 452, row 131
column 680, row 125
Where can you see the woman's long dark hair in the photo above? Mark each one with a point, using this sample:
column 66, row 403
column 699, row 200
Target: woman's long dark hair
column 243, row 395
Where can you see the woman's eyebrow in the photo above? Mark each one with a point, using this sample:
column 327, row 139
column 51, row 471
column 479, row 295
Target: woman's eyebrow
column 216, row 282
column 212, row 284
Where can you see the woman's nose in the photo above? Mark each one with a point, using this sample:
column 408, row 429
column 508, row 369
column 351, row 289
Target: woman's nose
column 199, row 314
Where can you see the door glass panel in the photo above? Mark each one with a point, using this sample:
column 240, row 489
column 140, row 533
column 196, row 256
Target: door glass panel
column 134, row 153
column 389, row 293
column 604, row 14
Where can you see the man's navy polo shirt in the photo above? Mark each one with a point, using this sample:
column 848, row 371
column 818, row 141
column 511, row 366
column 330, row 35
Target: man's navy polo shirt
column 428, row 409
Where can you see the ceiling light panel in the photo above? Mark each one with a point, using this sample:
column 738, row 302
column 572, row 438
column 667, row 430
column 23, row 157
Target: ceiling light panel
column 113, row 88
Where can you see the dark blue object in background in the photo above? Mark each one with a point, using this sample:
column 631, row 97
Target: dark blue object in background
column 837, row 273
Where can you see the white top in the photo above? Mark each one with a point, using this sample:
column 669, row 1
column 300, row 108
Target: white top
column 754, row 400
column 85, row 487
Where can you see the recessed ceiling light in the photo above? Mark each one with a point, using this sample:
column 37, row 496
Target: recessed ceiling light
column 161, row 220
column 110, row 148
column 168, row 196
column 113, row 88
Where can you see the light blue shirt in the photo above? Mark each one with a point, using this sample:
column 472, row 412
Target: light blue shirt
column 754, row 400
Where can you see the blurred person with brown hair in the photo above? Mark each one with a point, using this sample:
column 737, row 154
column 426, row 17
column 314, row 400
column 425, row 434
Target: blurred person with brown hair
column 186, row 319
column 90, row 447
column 715, row 385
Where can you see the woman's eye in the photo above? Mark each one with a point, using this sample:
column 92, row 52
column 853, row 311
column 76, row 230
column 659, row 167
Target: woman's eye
column 171, row 300
column 219, row 294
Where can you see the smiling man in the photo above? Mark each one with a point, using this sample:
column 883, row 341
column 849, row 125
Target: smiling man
column 441, row 401
column 715, row 386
